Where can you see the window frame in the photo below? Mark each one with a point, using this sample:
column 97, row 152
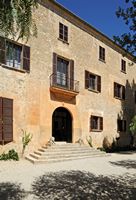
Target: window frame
column 63, row 32
column 14, row 45
column 102, row 54
column 119, row 94
column 99, row 123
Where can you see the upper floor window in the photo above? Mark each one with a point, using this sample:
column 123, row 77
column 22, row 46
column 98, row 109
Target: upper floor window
column 63, row 72
column 14, row 55
column 63, row 32
column 92, row 81
column 96, row 123
column 123, row 65
column 119, row 91
column 121, row 125
column 101, row 53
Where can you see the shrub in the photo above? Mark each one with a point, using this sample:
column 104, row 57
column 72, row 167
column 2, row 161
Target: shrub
column 11, row 155
column 109, row 147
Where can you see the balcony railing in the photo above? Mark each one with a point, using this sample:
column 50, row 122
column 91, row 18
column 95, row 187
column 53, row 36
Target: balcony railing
column 64, row 83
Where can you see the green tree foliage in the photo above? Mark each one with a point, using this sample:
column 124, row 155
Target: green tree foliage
column 16, row 18
column 132, row 128
column 128, row 40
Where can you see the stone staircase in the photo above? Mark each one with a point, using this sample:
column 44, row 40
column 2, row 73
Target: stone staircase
column 63, row 152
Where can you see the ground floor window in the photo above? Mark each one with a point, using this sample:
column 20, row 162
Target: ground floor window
column 96, row 123
column 121, row 125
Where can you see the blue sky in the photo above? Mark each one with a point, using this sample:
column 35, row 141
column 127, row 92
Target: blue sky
column 99, row 13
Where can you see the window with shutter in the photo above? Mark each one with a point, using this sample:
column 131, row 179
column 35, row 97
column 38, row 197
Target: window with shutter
column 121, row 125
column 101, row 53
column 63, row 72
column 92, row 82
column 63, row 32
column 123, row 65
column 14, row 55
column 119, row 91
column 96, row 123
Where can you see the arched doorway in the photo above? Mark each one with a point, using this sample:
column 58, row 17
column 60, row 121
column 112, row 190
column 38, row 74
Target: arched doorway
column 62, row 125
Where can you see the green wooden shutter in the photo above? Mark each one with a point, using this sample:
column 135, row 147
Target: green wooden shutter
column 54, row 78
column 123, row 92
column 86, row 79
column 115, row 89
column 72, row 74
column 26, row 58
column 7, row 119
column 99, row 83
column 91, row 121
column 101, row 123
column 2, row 50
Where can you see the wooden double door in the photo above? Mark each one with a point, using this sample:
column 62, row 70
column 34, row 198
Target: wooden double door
column 62, row 125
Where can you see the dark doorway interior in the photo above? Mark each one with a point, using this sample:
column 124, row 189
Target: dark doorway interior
column 62, row 125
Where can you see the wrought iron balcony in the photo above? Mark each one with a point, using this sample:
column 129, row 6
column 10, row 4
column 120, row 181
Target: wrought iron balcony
column 62, row 84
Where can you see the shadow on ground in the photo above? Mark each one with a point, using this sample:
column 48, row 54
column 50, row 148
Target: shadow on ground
column 129, row 164
column 11, row 191
column 77, row 185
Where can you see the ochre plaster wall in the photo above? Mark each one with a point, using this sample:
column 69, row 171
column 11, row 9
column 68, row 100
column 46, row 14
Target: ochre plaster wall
column 33, row 105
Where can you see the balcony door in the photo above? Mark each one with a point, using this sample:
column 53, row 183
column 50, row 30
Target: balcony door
column 62, row 72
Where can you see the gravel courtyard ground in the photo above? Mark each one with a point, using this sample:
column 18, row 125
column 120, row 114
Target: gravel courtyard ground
column 99, row 178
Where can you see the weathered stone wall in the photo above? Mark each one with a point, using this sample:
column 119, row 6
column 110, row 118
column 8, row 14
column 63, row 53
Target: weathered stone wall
column 33, row 105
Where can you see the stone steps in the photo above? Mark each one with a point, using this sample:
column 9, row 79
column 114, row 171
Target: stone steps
column 63, row 152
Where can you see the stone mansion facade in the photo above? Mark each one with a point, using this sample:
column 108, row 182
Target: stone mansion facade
column 71, row 82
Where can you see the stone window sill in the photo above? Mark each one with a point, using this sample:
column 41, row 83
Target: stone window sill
column 123, row 72
column 102, row 60
column 95, row 130
column 95, row 91
column 14, row 69
column 65, row 42
column 119, row 98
